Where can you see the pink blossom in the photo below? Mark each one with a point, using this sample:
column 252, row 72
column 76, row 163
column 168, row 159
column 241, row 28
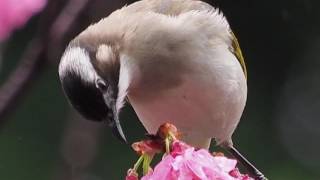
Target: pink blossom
column 15, row 13
column 186, row 163
column 146, row 147
column 131, row 175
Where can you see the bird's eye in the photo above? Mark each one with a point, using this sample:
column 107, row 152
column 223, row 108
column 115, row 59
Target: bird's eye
column 100, row 84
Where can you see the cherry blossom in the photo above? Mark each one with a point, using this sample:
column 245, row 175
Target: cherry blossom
column 186, row 163
column 181, row 161
column 15, row 13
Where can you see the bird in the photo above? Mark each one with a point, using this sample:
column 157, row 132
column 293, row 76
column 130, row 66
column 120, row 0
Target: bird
column 174, row 61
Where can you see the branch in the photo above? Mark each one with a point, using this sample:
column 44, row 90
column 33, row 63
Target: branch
column 18, row 80
column 34, row 57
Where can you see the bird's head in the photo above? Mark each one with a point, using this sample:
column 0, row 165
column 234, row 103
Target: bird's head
column 92, row 91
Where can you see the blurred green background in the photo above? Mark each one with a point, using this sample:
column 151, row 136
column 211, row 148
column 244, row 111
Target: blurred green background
column 44, row 139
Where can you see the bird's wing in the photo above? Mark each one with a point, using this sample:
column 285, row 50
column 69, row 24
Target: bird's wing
column 177, row 7
column 236, row 50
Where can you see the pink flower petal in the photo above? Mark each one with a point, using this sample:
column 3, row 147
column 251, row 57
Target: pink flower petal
column 224, row 163
column 131, row 175
column 15, row 13
column 162, row 171
column 185, row 163
column 178, row 148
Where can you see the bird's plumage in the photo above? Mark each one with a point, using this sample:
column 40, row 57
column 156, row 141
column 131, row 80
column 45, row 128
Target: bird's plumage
column 176, row 61
column 238, row 53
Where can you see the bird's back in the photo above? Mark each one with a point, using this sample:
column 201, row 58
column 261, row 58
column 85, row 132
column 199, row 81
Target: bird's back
column 168, row 7
column 121, row 22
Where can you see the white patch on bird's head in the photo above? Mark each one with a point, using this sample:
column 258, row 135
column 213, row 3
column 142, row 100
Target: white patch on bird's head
column 105, row 54
column 76, row 60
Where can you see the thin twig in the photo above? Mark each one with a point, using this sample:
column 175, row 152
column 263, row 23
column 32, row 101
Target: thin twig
column 66, row 18
column 34, row 56
column 17, row 81
column 63, row 25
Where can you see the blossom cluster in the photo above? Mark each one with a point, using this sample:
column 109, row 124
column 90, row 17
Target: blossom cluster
column 186, row 163
column 182, row 162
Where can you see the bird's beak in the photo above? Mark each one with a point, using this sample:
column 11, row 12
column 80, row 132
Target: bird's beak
column 116, row 126
column 113, row 115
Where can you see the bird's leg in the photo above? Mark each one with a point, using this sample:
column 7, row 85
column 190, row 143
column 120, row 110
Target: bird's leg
column 252, row 170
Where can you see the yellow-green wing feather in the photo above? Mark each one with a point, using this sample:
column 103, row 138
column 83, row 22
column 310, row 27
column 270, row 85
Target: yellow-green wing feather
column 238, row 53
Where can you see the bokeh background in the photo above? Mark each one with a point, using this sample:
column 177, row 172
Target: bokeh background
column 42, row 138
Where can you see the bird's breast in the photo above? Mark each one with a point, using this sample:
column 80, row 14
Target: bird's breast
column 190, row 96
